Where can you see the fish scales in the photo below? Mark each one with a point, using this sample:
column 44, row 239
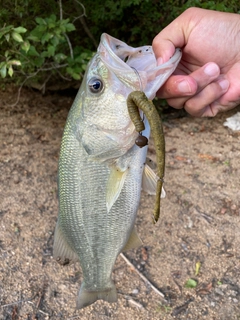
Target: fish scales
column 100, row 167
column 92, row 240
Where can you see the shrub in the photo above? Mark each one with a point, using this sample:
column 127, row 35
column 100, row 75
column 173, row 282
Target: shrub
column 49, row 41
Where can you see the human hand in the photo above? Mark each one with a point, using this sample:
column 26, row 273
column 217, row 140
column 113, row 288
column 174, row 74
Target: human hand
column 207, row 79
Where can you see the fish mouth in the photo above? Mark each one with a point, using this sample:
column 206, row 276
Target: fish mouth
column 119, row 49
column 136, row 67
column 115, row 54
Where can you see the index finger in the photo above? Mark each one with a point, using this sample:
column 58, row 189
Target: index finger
column 188, row 85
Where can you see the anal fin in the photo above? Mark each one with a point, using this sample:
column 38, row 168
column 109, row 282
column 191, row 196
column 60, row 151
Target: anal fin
column 149, row 182
column 134, row 241
column 61, row 250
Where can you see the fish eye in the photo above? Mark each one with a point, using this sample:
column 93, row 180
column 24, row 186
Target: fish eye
column 95, row 85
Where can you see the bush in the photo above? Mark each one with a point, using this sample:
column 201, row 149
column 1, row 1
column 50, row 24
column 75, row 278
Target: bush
column 49, row 41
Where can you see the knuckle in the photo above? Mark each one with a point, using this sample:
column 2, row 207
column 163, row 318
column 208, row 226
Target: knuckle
column 191, row 104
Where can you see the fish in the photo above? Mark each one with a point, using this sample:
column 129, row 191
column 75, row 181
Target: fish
column 101, row 170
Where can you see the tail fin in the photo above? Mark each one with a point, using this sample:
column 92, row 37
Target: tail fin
column 86, row 297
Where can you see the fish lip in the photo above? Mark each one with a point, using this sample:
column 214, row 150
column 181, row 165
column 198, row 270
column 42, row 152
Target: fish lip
column 108, row 41
column 120, row 56
column 113, row 53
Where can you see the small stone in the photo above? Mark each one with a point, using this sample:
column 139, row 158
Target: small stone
column 135, row 291
column 16, row 179
column 218, row 291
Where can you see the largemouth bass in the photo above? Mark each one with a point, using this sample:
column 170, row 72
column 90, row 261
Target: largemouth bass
column 101, row 169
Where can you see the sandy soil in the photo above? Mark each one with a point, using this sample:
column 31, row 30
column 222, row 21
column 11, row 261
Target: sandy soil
column 199, row 223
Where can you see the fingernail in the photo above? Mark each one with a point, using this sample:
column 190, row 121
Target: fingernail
column 224, row 84
column 211, row 69
column 159, row 61
column 184, row 87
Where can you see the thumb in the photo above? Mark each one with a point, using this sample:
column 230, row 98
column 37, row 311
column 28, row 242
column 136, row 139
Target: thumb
column 163, row 49
column 175, row 35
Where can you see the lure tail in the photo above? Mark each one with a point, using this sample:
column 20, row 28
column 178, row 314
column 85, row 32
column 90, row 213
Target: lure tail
column 87, row 297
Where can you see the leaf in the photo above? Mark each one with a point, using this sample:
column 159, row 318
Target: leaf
column 62, row 28
column 205, row 289
column 3, row 71
column 14, row 63
column 180, row 158
column 16, row 36
column 41, row 28
column 76, row 76
column 33, row 52
column 55, row 41
column 51, row 51
column 33, row 38
column 73, row 74
column 5, row 30
column 47, row 36
column 84, row 67
column 20, row 30
column 44, row 54
column 51, row 21
column 51, row 25
column 207, row 157
column 59, row 57
column 53, row 17
column 70, row 27
column 25, row 46
column 39, row 61
column 40, row 20
column 197, row 268
column 58, row 32
column 38, row 32
column 7, row 37
column 10, row 71
column 191, row 283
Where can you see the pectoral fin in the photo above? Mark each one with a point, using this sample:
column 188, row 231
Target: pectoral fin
column 134, row 241
column 61, row 249
column 114, row 186
column 149, row 182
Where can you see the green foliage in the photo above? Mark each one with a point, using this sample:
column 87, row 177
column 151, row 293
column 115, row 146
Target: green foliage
column 138, row 21
column 191, row 283
column 46, row 48
column 12, row 36
column 49, row 40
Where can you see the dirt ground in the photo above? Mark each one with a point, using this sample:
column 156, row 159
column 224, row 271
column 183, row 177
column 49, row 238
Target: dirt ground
column 197, row 236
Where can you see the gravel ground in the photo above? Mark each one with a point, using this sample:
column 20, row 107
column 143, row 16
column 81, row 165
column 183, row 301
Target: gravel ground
column 197, row 236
